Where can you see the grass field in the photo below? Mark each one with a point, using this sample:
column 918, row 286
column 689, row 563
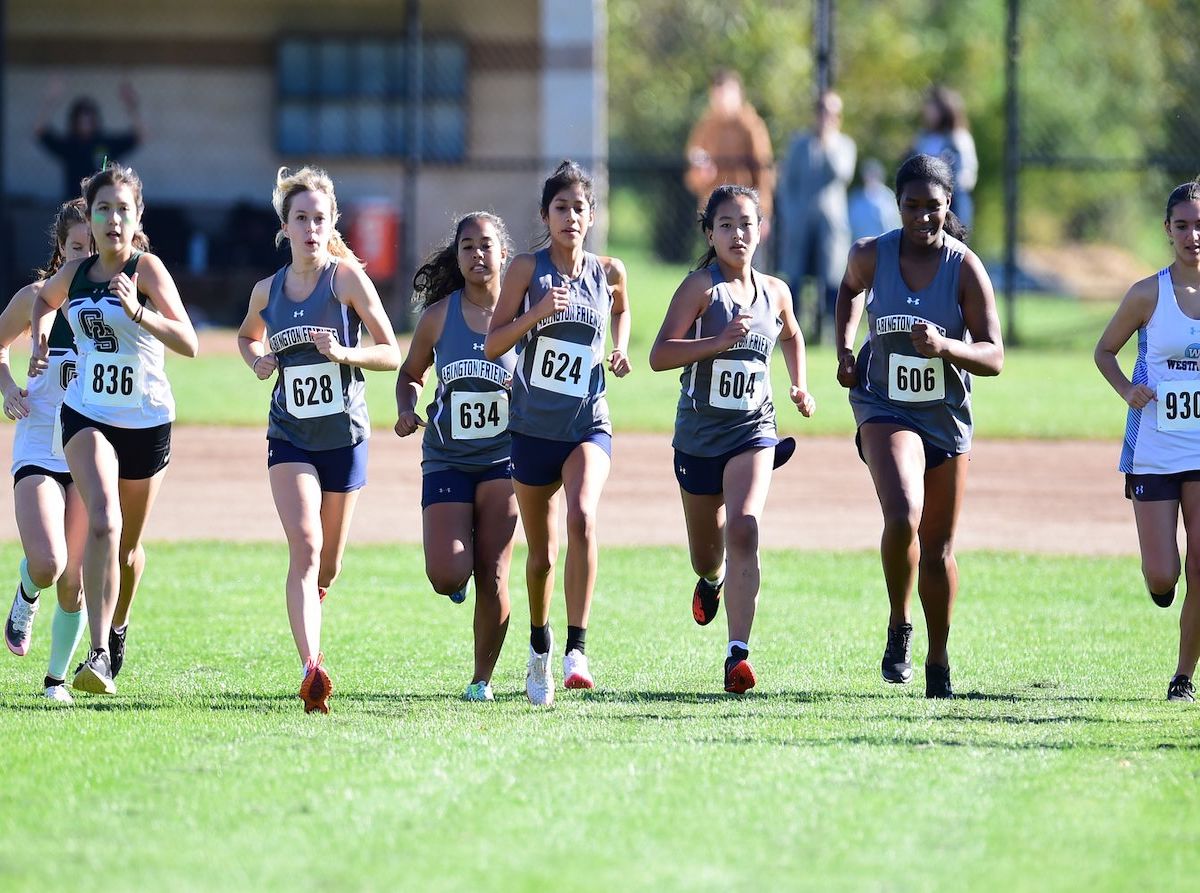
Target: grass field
column 1060, row 767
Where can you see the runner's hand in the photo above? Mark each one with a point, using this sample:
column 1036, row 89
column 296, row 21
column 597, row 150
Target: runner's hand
column 264, row 366
column 408, row 423
column 847, row 370
column 16, row 406
column 39, row 359
column 805, row 402
column 1139, row 395
column 556, row 300
column 928, row 341
column 618, row 364
column 327, row 343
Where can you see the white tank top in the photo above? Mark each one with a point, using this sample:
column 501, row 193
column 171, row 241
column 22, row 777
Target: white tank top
column 120, row 379
column 1164, row 436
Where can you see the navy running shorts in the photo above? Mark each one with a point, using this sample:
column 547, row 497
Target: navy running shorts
column 458, row 484
column 340, row 470
column 141, row 452
column 27, row 471
column 1157, row 487
column 537, row 462
column 934, row 456
column 705, row 475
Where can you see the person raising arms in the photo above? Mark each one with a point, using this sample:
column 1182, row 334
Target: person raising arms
column 931, row 324
column 721, row 327
column 116, row 415
column 1161, row 455
column 305, row 323
column 50, row 514
column 555, row 306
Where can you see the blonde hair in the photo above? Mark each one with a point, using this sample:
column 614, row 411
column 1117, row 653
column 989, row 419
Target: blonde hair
column 289, row 184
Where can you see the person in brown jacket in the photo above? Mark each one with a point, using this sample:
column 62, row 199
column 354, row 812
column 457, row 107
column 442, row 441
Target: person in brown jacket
column 730, row 144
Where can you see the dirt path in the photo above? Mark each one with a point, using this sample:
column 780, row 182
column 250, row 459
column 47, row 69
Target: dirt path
column 1052, row 497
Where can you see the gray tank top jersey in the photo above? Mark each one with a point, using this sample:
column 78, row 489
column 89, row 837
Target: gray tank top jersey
column 317, row 404
column 468, row 418
column 725, row 401
column 931, row 395
column 558, row 388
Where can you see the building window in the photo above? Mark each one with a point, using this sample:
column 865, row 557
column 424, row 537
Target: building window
column 349, row 97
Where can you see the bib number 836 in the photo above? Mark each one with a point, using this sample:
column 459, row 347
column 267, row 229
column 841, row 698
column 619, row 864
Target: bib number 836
column 112, row 380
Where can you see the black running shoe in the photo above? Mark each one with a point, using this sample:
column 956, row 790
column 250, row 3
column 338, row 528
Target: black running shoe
column 116, row 648
column 95, row 674
column 706, row 598
column 896, row 665
column 937, row 682
column 1164, row 600
column 1181, row 689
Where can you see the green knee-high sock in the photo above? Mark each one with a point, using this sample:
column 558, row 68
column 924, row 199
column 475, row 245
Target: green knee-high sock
column 31, row 591
column 66, row 629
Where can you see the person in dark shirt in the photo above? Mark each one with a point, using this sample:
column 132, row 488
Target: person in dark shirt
column 85, row 145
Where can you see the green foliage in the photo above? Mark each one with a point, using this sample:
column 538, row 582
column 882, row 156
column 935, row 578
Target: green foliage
column 1061, row 767
column 1115, row 81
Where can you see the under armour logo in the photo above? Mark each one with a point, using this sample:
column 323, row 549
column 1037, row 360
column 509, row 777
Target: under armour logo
column 443, row 489
column 1139, row 489
column 682, row 470
column 476, row 345
column 296, row 313
column 915, row 301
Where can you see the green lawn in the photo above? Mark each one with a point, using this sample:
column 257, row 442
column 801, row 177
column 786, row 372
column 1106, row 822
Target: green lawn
column 1061, row 767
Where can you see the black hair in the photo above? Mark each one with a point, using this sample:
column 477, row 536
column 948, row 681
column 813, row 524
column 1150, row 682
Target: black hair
column 567, row 174
column 708, row 216
column 440, row 276
column 935, row 172
column 1184, row 192
column 84, row 105
column 69, row 214
column 117, row 174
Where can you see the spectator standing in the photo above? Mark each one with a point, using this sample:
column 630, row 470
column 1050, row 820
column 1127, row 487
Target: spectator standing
column 946, row 135
column 813, row 210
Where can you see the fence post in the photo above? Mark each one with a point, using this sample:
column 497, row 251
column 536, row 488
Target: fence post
column 1012, row 164
column 823, row 45
column 410, row 247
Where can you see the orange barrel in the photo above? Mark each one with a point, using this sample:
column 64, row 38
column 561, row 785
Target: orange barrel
column 375, row 235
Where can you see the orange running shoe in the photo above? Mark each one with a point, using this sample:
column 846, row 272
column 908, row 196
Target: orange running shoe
column 739, row 675
column 322, row 591
column 316, row 687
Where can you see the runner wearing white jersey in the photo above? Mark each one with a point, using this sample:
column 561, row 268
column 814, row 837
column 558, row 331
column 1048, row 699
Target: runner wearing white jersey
column 1161, row 455
column 50, row 516
column 123, row 308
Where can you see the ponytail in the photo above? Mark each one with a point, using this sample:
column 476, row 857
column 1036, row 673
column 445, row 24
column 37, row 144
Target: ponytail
column 69, row 214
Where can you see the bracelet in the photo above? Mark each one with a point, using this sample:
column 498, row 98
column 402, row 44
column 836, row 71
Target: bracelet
column 137, row 316
column 254, row 362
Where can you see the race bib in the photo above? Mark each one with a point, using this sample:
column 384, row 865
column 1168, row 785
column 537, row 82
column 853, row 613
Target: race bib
column 479, row 415
column 916, row 379
column 562, row 366
column 112, row 379
column 738, row 384
column 314, row 390
column 1179, row 405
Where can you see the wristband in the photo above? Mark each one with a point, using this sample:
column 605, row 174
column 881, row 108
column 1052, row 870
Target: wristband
column 137, row 316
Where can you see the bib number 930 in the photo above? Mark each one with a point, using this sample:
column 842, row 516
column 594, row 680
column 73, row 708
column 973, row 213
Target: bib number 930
column 1178, row 406
column 916, row 379
column 314, row 390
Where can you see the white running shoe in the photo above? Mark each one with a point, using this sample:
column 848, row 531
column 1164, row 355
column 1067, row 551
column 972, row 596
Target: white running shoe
column 18, row 630
column 479, row 691
column 539, row 684
column 58, row 694
column 575, row 670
